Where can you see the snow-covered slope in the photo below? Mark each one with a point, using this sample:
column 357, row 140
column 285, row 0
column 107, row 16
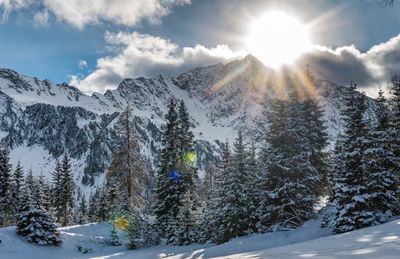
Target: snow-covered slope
column 41, row 120
column 309, row 241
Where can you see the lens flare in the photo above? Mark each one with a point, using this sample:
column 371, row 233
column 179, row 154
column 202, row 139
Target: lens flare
column 190, row 158
column 174, row 175
column 121, row 223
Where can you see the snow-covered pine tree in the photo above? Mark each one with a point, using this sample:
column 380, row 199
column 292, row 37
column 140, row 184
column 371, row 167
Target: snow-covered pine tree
column 183, row 132
column 67, row 199
column 93, row 205
column 394, row 122
column 316, row 133
column 207, row 184
column 178, row 174
column 138, row 230
column 34, row 223
column 278, row 120
column 37, row 225
column 29, row 192
column 114, row 239
column 211, row 216
column 56, row 191
column 187, row 231
column 350, row 190
column 233, row 215
column 81, row 212
column 167, row 195
column 208, row 208
column 186, row 153
column 251, row 190
column 103, row 207
column 190, row 208
column 6, row 205
column 128, row 169
column 111, row 195
column 288, row 189
column 27, row 197
column 40, row 199
column 382, row 181
column 18, row 188
column 43, row 193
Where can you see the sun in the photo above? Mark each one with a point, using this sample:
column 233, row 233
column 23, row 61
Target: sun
column 277, row 38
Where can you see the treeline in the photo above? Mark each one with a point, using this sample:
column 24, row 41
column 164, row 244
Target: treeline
column 34, row 204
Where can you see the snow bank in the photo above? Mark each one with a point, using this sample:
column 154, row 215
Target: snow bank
column 307, row 242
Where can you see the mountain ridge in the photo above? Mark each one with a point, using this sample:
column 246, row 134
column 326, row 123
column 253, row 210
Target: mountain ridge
column 40, row 120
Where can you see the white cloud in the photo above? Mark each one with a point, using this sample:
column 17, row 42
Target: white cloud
column 80, row 13
column 82, row 64
column 146, row 55
column 11, row 5
column 41, row 18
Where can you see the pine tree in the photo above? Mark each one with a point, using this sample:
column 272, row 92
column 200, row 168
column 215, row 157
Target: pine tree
column 43, row 193
column 212, row 213
column 103, row 208
column 30, row 181
column 38, row 226
column 186, row 231
column 394, row 129
column 68, row 192
column 251, row 189
column 317, row 137
column 114, row 240
column 188, row 213
column 382, row 182
column 138, row 232
column 178, row 175
column 81, row 213
column 350, row 191
column 183, row 133
column 208, row 190
column 128, row 168
column 56, row 191
column 394, row 122
column 18, row 188
column 112, row 196
column 234, row 214
column 28, row 193
column 39, row 195
column 93, row 206
column 6, row 206
column 168, row 184
column 288, row 178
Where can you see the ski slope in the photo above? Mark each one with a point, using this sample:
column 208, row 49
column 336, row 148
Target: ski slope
column 307, row 242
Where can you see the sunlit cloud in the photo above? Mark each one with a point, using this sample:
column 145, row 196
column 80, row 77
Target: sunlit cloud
column 145, row 55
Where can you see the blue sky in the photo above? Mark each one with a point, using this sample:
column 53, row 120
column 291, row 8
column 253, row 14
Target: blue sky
column 40, row 38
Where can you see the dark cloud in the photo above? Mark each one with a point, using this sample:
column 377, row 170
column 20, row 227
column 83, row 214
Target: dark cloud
column 340, row 66
column 344, row 64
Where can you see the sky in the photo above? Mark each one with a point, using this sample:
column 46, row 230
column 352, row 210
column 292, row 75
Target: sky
column 94, row 44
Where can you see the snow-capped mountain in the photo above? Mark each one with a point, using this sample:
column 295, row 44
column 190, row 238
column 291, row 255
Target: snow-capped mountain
column 41, row 120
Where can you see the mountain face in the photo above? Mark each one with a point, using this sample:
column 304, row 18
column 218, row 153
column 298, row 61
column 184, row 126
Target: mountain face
column 40, row 120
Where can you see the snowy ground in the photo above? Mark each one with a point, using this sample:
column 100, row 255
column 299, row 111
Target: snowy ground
column 307, row 242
